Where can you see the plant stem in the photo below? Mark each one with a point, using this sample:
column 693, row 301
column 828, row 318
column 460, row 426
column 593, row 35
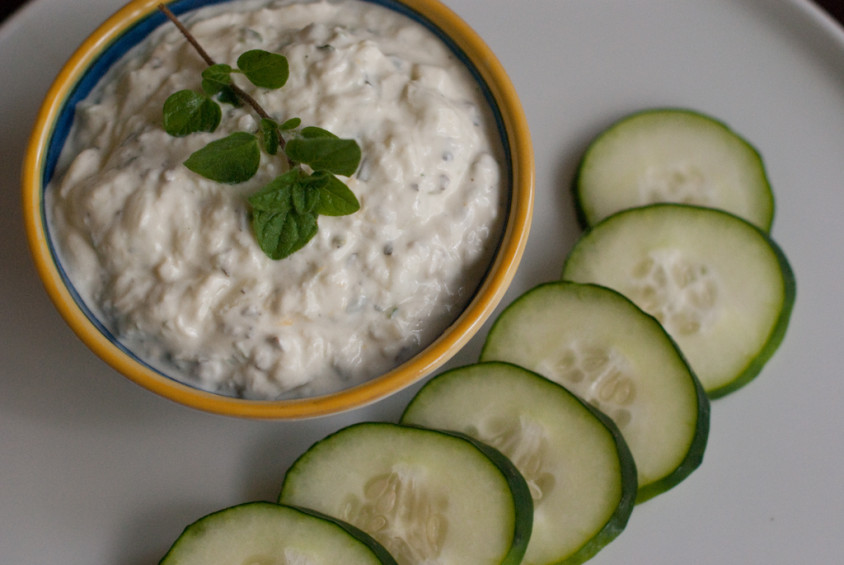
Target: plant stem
column 239, row 92
column 188, row 35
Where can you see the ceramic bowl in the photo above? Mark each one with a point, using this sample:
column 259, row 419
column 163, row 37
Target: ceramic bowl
column 131, row 25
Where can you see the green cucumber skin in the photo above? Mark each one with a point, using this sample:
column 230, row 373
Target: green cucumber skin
column 629, row 488
column 697, row 446
column 582, row 216
column 379, row 550
column 694, row 457
column 522, row 500
column 777, row 335
column 617, row 522
column 196, row 527
column 778, row 331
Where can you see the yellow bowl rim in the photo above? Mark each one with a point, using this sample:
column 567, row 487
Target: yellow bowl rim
column 487, row 297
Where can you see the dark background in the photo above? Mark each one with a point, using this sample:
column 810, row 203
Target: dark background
column 834, row 7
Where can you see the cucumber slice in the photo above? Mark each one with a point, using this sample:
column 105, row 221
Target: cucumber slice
column 579, row 469
column 427, row 496
column 672, row 155
column 598, row 344
column 264, row 533
column 720, row 286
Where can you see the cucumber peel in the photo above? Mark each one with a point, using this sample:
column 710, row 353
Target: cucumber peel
column 672, row 155
column 580, row 471
column 263, row 532
column 721, row 286
column 426, row 495
column 605, row 349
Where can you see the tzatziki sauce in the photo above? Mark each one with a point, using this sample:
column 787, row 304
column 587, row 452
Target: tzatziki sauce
column 167, row 259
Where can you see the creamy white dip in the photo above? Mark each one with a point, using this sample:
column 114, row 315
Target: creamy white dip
column 168, row 259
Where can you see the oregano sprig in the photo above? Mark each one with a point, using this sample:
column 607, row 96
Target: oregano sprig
column 285, row 211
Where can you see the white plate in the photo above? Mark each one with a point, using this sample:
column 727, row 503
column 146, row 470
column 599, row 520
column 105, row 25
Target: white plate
column 95, row 470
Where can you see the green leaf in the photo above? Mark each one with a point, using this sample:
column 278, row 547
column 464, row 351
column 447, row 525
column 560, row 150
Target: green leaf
column 215, row 78
column 335, row 198
column 283, row 213
column 323, row 151
column 230, row 160
column 228, row 96
column 313, row 132
column 187, row 112
column 280, row 234
column 305, row 198
column 264, row 69
column 271, row 135
column 276, row 195
column 292, row 123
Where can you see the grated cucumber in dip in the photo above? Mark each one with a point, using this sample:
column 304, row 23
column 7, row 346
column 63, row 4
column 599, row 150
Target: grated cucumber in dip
column 168, row 262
